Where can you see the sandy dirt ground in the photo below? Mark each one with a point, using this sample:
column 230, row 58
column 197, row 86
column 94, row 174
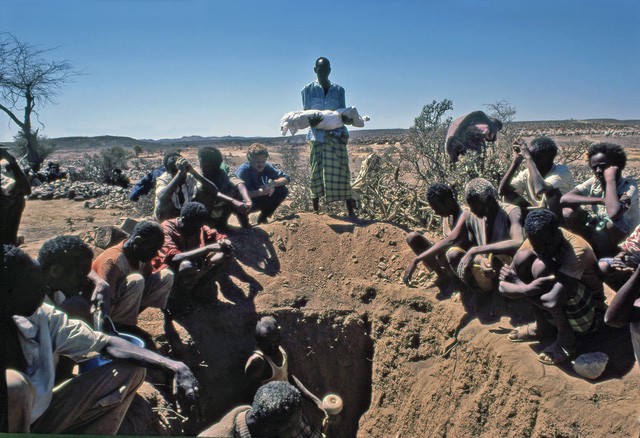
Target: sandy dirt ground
column 407, row 361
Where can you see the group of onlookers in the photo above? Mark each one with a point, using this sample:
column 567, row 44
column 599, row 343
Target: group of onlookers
column 549, row 241
column 62, row 308
column 56, row 303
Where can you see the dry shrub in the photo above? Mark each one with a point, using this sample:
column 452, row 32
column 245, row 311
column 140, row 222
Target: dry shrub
column 300, row 172
column 394, row 188
column 98, row 167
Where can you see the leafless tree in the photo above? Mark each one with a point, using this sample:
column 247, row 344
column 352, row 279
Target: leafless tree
column 29, row 80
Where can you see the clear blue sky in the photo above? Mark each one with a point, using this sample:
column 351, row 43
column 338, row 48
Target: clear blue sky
column 164, row 69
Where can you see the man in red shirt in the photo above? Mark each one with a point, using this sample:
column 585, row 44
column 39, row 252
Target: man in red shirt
column 127, row 269
column 195, row 252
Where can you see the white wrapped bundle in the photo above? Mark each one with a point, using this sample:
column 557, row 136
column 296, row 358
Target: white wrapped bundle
column 295, row 120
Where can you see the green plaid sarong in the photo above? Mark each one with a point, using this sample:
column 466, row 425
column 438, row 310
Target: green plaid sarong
column 330, row 176
column 584, row 310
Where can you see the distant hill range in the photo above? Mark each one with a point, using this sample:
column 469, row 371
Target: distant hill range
column 610, row 127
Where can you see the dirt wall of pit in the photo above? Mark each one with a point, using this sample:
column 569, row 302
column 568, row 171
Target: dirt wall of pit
column 406, row 362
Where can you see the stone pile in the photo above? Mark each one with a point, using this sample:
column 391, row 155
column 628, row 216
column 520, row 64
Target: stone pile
column 94, row 195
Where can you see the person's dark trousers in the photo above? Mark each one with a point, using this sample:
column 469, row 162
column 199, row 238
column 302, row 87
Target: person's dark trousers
column 267, row 205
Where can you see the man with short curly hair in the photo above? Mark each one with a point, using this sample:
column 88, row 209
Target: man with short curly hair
column 276, row 412
column 542, row 183
column 178, row 185
column 232, row 195
column 127, row 269
column 66, row 264
column 194, row 252
column 605, row 208
column 557, row 272
column 265, row 183
column 36, row 335
column 442, row 200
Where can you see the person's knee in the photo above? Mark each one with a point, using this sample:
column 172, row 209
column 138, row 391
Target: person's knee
column 21, row 396
column 539, row 269
column 185, row 266
column 523, row 257
column 412, row 238
column 280, row 193
column 568, row 213
column 454, row 257
column 167, row 277
column 129, row 373
column 134, row 283
column 135, row 280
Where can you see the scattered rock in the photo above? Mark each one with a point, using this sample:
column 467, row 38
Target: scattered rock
column 591, row 365
column 108, row 236
column 128, row 225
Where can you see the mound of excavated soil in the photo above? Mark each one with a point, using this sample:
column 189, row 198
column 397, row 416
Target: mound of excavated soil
column 405, row 362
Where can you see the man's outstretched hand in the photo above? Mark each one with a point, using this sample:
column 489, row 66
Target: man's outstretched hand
column 187, row 389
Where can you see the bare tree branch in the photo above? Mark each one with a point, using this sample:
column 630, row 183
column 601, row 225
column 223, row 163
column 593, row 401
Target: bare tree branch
column 28, row 80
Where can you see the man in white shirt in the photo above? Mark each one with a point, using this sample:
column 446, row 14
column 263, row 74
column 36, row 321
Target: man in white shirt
column 35, row 335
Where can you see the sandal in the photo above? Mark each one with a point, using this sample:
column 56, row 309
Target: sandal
column 522, row 334
column 555, row 354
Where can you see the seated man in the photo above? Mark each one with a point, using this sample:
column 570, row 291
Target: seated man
column 127, row 269
column 119, row 178
column 195, row 252
column 275, row 412
column 177, row 185
column 269, row 362
column 232, row 196
column 494, row 232
column 66, row 265
column 53, row 172
column 542, row 183
column 15, row 186
column 625, row 309
column 604, row 209
column 442, row 200
column 557, row 272
column 35, row 335
column 265, row 184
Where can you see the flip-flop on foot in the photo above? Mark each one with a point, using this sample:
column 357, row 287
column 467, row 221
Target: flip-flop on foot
column 555, row 354
column 522, row 334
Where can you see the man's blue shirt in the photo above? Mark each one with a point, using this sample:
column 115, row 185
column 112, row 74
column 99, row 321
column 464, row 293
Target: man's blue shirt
column 253, row 181
column 313, row 98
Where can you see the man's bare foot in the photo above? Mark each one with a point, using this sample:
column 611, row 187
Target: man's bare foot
column 556, row 354
column 525, row 333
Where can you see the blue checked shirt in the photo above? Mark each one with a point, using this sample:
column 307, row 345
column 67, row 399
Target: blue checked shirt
column 313, row 98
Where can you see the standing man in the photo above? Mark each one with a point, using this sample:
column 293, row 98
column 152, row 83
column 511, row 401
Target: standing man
column 330, row 176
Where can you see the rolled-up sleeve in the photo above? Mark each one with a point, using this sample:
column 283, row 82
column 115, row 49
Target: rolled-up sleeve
column 74, row 338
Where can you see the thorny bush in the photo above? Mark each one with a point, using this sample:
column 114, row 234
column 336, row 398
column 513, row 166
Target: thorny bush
column 98, row 167
column 393, row 188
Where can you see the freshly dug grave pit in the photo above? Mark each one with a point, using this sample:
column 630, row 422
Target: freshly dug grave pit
column 405, row 362
column 330, row 352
